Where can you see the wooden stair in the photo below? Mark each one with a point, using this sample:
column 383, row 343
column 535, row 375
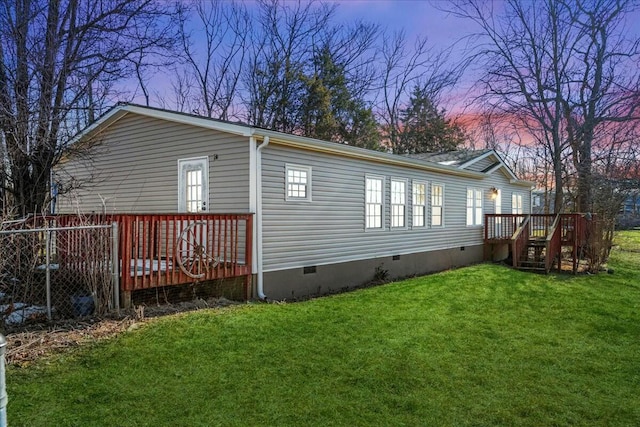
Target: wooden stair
column 536, row 241
column 534, row 255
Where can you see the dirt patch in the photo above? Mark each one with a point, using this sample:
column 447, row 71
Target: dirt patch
column 36, row 341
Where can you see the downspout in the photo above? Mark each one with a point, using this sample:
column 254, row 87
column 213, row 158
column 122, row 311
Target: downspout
column 260, row 276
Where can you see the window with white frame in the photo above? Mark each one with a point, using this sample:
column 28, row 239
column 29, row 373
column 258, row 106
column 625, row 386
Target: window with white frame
column 193, row 187
column 298, row 183
column 474, row 206
column 193, row 184
column 437, row 205
column 516, row 204
column 374, row 195
column 398, row 202
column 419, row 198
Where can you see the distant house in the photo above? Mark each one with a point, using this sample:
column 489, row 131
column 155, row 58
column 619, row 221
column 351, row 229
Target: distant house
column 326, row 216
column 542, row 202
column 629, row 215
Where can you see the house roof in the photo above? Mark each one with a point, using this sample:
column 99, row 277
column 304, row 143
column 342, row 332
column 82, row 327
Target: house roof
column 453, row 163
column 451, row 158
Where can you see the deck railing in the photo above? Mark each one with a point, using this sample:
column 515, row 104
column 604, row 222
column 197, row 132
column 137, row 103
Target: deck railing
column 558, row 231
column 171, row 249
column 520, row 240
column 553, row 244
column 502, row 226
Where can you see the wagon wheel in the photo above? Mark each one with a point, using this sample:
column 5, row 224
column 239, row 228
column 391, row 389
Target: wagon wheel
column 193, row 258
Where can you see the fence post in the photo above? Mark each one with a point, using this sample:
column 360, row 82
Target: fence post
column 3, row 388
column 47, row 255
column 115, row 266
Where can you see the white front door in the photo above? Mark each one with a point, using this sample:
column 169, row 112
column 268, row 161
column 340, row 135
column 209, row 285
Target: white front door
column 193, row 185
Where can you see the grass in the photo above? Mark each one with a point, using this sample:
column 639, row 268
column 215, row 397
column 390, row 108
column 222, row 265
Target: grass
column 479, row 346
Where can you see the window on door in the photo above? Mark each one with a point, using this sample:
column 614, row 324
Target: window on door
column 516, row 204
column 193, row 184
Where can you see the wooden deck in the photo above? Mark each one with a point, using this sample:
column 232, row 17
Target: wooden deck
column 537, row 242
column 156, row 250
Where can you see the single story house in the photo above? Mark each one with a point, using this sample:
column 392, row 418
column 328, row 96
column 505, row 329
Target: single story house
column 325, row 216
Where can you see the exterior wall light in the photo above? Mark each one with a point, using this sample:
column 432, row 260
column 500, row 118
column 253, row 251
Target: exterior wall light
column 493, row 193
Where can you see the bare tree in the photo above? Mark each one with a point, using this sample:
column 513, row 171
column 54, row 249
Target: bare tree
column 525, row 56
column 606, row 85
column 213, row 64
column 405, row 68
column 282, row 47
column 52, row 54
column 564, row 70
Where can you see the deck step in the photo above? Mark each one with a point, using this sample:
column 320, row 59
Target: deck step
column 542, row 270
column 529, row 263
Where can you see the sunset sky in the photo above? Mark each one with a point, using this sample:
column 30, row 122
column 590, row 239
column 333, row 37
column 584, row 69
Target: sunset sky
column 416, row 17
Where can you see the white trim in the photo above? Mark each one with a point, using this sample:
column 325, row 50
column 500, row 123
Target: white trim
column 258, row 221
column 518, row 210
column 495, row 168
column 523, row 183
column 308, row 190
column 427, row 201
column 182, row 197
column 383, row 204
column 253, row 198
column 311, row 144
column 391, row 204
column 442, row 216
column 406, row 203
column 204, row 122
column 474, row 207
column 476, row 159
column 280, row 138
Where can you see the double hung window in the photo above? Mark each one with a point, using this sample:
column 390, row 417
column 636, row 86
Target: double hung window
column 474, row 206
column 437, row 205
column 374, row 194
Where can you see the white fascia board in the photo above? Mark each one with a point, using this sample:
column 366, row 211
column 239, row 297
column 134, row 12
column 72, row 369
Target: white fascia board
column 477, row 159
column 523, row 183
column 203, row 122
column 343, row 150
column 494, row 168
column 119, row 111
column 106, row 120
column 502, row 165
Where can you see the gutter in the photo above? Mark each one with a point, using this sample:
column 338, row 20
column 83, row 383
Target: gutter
column 260, row 273
column 343, row 150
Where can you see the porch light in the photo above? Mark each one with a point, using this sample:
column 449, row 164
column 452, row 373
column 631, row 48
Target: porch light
column 493, row 193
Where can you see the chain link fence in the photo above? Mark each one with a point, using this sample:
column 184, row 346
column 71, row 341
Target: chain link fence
column 48, row 272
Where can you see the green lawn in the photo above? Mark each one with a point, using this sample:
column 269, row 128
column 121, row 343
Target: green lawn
column 478, row 346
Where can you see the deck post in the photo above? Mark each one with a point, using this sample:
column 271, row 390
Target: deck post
column 115, row 266
column 125, row 298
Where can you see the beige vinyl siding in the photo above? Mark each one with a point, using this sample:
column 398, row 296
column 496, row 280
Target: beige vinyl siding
column 331, row 228
column 134, row 168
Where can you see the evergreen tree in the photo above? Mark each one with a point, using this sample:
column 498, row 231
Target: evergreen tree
column 425, row 128
column 329, row 110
